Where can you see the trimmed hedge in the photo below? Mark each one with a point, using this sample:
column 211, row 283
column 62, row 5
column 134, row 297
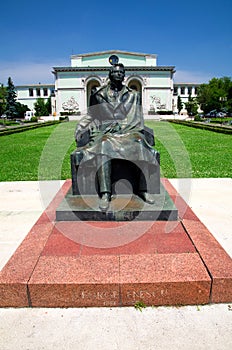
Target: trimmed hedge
column 69, row 113
column 215, row 128
column 18, row 129
column 157, row 112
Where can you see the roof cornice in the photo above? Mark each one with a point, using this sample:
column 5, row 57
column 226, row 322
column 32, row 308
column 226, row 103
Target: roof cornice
column 103, row 69
column 108, row 52
column 35, row 85
column 187, row 84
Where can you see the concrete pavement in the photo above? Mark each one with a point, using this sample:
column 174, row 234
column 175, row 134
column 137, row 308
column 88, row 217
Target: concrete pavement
column 190, row 327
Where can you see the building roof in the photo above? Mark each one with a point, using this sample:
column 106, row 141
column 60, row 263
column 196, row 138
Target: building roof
column 108, row 52
column 97, row 69
column 35, row 86
column 187, row 84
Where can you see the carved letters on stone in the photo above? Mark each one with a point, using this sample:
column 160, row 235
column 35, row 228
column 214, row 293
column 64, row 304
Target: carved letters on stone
column 144, row 294
column 110, row 298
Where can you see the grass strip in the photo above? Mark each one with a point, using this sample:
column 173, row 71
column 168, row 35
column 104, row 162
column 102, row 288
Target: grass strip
column 44, row 153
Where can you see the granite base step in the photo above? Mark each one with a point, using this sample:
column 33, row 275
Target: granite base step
column 80, row 263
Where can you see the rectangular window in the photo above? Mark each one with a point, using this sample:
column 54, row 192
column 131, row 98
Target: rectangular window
column 189, row 91
column 45, row 91
column 31, row 92
column 182, row 90
column 38, row 92
column 175, row 89
column 195, row 90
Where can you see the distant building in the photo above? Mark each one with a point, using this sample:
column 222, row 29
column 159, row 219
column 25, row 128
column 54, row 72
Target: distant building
column 184, row 90
column 28, row 94
column 73, row 84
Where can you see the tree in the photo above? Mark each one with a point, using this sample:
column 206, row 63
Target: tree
column 191, row 106
column 21, row 109
column 10, row 100
column 2, row 99
column 49, row 106
column 179, row 104
column 216, row 95
column 41, row 107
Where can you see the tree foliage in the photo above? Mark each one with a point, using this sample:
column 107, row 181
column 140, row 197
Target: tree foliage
column 179, row 104
column 42, row 107
column 2, row 99
column 191, row 106
column 49, row 106
column 217, row 94
column 21, row 109
column 11, row 109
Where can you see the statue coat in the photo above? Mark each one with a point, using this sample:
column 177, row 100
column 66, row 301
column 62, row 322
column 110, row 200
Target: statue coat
column 115, row 123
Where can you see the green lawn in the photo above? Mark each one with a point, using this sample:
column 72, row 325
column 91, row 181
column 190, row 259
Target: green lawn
column 190, row 152
column 41, row 153
column 185, row 152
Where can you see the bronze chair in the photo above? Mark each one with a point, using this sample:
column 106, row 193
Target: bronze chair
column 84, row 179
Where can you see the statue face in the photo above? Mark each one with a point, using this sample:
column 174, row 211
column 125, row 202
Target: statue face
column 117, row 74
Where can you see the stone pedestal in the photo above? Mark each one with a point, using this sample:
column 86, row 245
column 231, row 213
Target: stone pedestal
column 86, row 263
column 122, row 208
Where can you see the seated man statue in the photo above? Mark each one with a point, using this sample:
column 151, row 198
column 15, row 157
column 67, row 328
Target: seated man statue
column 116, row 123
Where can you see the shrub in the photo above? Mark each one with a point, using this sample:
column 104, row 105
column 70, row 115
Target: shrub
column 70, row 113
column 64, row 118
column 197, row 118
column 217, row 128
column 153, row 112
column 8, row 122
column 165, row 112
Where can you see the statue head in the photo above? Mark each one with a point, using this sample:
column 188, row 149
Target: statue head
column 117, row 73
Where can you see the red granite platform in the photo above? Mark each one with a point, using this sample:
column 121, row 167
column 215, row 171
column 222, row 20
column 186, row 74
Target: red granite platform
column 75, row 264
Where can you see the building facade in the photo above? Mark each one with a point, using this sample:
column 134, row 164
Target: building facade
column 28, row 94
column 185, row 90
column 73, row 84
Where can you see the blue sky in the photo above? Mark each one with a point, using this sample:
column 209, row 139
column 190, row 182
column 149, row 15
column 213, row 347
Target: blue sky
column 194, row 36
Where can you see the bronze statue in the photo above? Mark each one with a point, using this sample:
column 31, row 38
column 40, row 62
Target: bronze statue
column 115, row 121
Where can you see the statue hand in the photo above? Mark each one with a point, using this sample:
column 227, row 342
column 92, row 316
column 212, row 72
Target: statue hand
column 78, row 134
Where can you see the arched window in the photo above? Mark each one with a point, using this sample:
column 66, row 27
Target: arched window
column 90, row 86
column 135, row 84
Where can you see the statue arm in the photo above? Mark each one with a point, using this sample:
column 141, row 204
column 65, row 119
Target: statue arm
column 88, row 119
column 138, row 116
column 82, row 126
column 140, row 110
column 135, row 117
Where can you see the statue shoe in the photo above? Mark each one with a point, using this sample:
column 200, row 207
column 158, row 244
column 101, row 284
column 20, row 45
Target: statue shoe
column 147, row 197
column 104, row 201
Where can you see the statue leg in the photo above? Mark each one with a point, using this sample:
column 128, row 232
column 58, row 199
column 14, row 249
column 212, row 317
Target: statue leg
column 142, row 190
column 104, row 182
column 143, row 177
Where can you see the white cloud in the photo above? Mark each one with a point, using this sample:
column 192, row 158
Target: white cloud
column 182, row 76
column 28, row 73
column 24, row 73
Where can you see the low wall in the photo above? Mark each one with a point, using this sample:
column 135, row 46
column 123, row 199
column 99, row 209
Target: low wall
column 48, row 118
column 146, row 117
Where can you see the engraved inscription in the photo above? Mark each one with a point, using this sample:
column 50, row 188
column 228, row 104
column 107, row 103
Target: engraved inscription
column 108, row 298
column 143, row 294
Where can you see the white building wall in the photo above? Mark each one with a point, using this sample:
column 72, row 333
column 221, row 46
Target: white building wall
column 157, row 85
column 183, row 90
column 64, row 95
column 102, row 59
column 23, row 94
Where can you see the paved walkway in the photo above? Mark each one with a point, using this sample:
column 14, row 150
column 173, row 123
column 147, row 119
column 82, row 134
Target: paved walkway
column 189, row 327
